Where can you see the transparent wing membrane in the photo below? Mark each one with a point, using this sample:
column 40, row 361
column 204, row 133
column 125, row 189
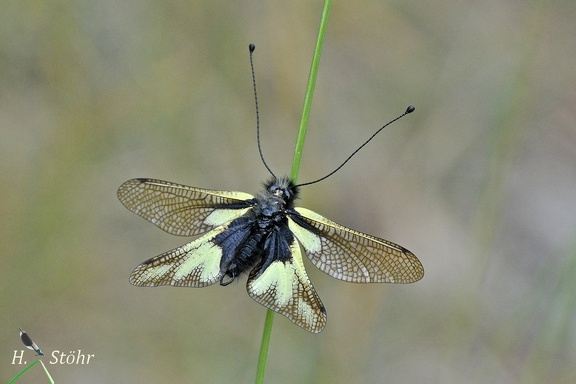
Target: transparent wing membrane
column 351, row 255
column 180, row 209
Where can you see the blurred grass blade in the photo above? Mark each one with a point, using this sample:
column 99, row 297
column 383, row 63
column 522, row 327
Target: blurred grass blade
column 295, row 167
column 47, row 373
column 23, row 372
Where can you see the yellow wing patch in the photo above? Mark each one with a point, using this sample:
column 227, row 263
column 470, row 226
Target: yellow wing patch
column 285, row 288
column 354, row 256
column 196, row 264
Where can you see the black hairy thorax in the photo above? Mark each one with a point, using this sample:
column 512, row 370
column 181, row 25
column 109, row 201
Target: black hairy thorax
column 261, row 236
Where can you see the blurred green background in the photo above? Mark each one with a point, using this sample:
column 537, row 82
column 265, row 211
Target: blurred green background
column 480, row 183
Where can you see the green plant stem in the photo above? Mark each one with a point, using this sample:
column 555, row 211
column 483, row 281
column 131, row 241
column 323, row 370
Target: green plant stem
column 30, row 366
column 47, row 373
column 310, row 91
column 23, row 372
column 264, row 346
column 296, row 167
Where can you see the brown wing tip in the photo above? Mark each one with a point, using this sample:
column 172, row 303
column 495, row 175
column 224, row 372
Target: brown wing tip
column 414, row 268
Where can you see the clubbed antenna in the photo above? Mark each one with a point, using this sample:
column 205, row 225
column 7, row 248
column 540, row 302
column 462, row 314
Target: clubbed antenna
column 410, row 109
column 252, row 47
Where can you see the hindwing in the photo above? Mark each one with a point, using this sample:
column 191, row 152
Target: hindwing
column 180, row 209
column 196, row 264
column 284, row 287
column 351, row 255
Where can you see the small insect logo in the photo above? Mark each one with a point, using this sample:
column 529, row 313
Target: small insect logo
column 18, row 357
column 29, row 343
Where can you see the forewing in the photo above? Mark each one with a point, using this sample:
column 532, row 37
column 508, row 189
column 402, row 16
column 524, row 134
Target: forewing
column 196, row 264
column 180, row 209
column 285, row 288
column 351, row 255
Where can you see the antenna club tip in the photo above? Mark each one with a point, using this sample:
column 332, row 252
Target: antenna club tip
column 410, row 109
column 251, row 47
